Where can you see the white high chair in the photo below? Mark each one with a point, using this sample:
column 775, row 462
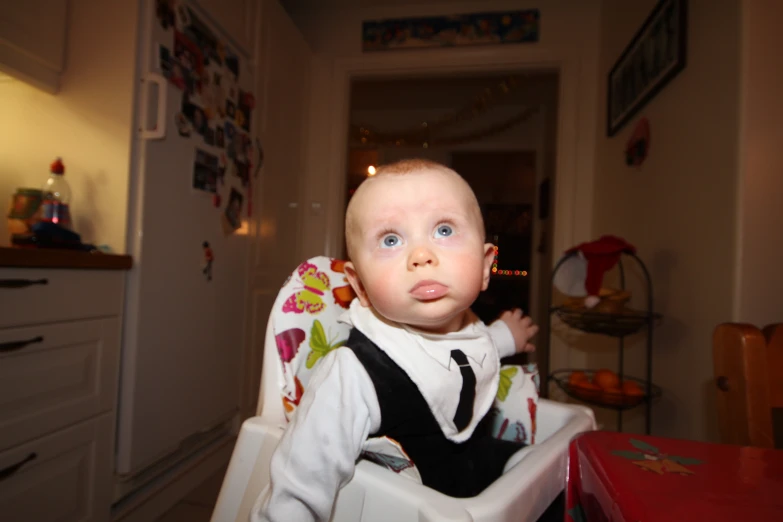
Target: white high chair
column 386, row 486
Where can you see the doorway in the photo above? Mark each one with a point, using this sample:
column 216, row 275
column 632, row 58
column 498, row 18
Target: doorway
column 504, row 184
column 496, row 129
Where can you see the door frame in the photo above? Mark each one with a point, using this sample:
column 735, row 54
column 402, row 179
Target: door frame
column 577, row 127
column 572, row 205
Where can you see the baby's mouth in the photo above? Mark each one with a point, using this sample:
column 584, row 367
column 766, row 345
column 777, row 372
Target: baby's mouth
column 428, row 290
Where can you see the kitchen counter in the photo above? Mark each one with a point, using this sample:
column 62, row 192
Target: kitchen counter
column 53, row 258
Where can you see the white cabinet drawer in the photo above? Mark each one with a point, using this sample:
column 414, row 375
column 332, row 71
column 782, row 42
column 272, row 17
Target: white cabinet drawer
column 67, row 373
column 36, row 296
column 64, row 477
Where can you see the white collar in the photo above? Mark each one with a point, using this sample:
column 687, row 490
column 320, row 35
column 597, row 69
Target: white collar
column 438, row 345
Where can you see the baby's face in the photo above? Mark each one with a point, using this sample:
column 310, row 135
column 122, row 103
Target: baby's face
column 418, row 252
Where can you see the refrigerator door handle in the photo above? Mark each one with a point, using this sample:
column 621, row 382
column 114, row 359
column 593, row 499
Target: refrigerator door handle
column 158, row 131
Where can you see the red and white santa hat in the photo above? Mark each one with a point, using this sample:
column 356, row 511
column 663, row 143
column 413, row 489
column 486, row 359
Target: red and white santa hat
column 582, row 274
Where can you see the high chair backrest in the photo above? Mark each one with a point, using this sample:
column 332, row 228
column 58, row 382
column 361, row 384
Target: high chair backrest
column 303, row 327
column 748, row 365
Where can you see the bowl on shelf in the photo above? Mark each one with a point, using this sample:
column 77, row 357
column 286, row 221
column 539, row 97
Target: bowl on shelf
column 611, row 301
column 620, row 324
column 604, row 388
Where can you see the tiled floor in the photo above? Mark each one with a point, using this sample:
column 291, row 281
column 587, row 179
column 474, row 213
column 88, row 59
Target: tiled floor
column 198, row 505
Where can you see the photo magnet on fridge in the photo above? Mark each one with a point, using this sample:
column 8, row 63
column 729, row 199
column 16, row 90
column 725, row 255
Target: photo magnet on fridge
column 205, row 171
column 209, row 136
column 232, row 217
column 165, row 13
column 172, row 69
column 183, row 125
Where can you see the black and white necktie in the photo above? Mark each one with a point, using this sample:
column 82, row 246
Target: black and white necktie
column 468, row 393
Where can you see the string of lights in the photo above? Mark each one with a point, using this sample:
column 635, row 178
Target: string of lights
column 431, row 133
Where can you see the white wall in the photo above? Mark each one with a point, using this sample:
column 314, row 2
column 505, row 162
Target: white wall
column 759, row 290
column 88, row 123
column 678, row 208
column 568, row 29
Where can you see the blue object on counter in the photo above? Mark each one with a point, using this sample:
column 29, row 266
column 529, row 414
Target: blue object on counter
column 50, row 235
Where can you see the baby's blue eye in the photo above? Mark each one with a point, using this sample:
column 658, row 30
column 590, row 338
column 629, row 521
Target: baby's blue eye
column 443, row 231
column 390, row 241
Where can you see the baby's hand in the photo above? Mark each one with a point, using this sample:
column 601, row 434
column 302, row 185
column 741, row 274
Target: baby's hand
column 522, row 329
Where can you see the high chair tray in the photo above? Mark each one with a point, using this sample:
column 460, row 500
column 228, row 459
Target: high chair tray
column 376, row 494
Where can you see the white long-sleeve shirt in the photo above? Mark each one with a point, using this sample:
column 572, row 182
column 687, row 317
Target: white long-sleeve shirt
column 339, row 409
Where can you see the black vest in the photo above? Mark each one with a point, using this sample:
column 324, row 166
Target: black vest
column 455, row 469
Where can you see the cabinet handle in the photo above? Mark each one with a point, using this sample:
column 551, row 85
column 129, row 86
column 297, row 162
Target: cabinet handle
column 723, row 383
column 12, row 346
column 22, row 283
column 13, row 468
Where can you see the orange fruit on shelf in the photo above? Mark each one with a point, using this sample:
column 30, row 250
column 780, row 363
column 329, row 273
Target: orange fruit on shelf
column 613, row 395
column 606, row 379
column 576, row 377
column 586, row 390
column 632, row 388
column 587, row 386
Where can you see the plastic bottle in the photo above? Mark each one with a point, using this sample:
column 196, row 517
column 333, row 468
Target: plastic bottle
column 56, row 197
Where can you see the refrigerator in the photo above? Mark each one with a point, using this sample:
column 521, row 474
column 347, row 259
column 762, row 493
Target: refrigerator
column 195, row 162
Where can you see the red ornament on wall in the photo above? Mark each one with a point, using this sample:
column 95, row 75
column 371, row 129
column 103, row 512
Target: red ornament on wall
column 638, row 145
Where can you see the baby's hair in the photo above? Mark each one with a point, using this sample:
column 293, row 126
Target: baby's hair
column 408, row 166
column 404, row 167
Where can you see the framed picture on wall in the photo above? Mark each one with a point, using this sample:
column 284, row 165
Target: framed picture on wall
column 490, row 28
column 656, row 54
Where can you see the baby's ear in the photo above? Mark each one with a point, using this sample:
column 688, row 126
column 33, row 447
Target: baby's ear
column 489, row 258
column 356, row 284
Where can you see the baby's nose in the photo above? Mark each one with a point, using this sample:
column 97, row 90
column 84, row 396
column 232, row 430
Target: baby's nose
column 421, row 256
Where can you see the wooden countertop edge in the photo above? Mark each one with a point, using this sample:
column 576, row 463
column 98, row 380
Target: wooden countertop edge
column 53, row 258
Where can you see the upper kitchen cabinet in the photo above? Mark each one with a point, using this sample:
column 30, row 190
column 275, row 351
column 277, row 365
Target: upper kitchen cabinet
column 238, row 18
column 32, row 41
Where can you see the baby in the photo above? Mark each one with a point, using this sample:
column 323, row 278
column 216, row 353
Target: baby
column 418, row 367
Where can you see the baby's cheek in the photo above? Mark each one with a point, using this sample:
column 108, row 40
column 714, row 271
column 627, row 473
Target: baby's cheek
column 381, row 291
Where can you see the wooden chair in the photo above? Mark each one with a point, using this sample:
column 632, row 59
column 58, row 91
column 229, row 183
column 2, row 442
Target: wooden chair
column 748, row 366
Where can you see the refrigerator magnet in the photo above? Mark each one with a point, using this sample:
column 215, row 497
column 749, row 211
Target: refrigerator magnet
column 230, row 130
column 164, row 13
column 183, row 125
column 205, row 171
column 172, row 69
column 183, row 16
column 245, row 110
column 232, row 217
column 222, row 169
column 209, row 136
column 231, row 110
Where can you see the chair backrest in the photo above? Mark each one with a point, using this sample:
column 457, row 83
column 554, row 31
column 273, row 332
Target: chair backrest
column 748, row 366
column 774, row 336
column 303, row 327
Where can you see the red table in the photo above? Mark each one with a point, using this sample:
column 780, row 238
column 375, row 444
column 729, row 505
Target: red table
column 622, row 477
